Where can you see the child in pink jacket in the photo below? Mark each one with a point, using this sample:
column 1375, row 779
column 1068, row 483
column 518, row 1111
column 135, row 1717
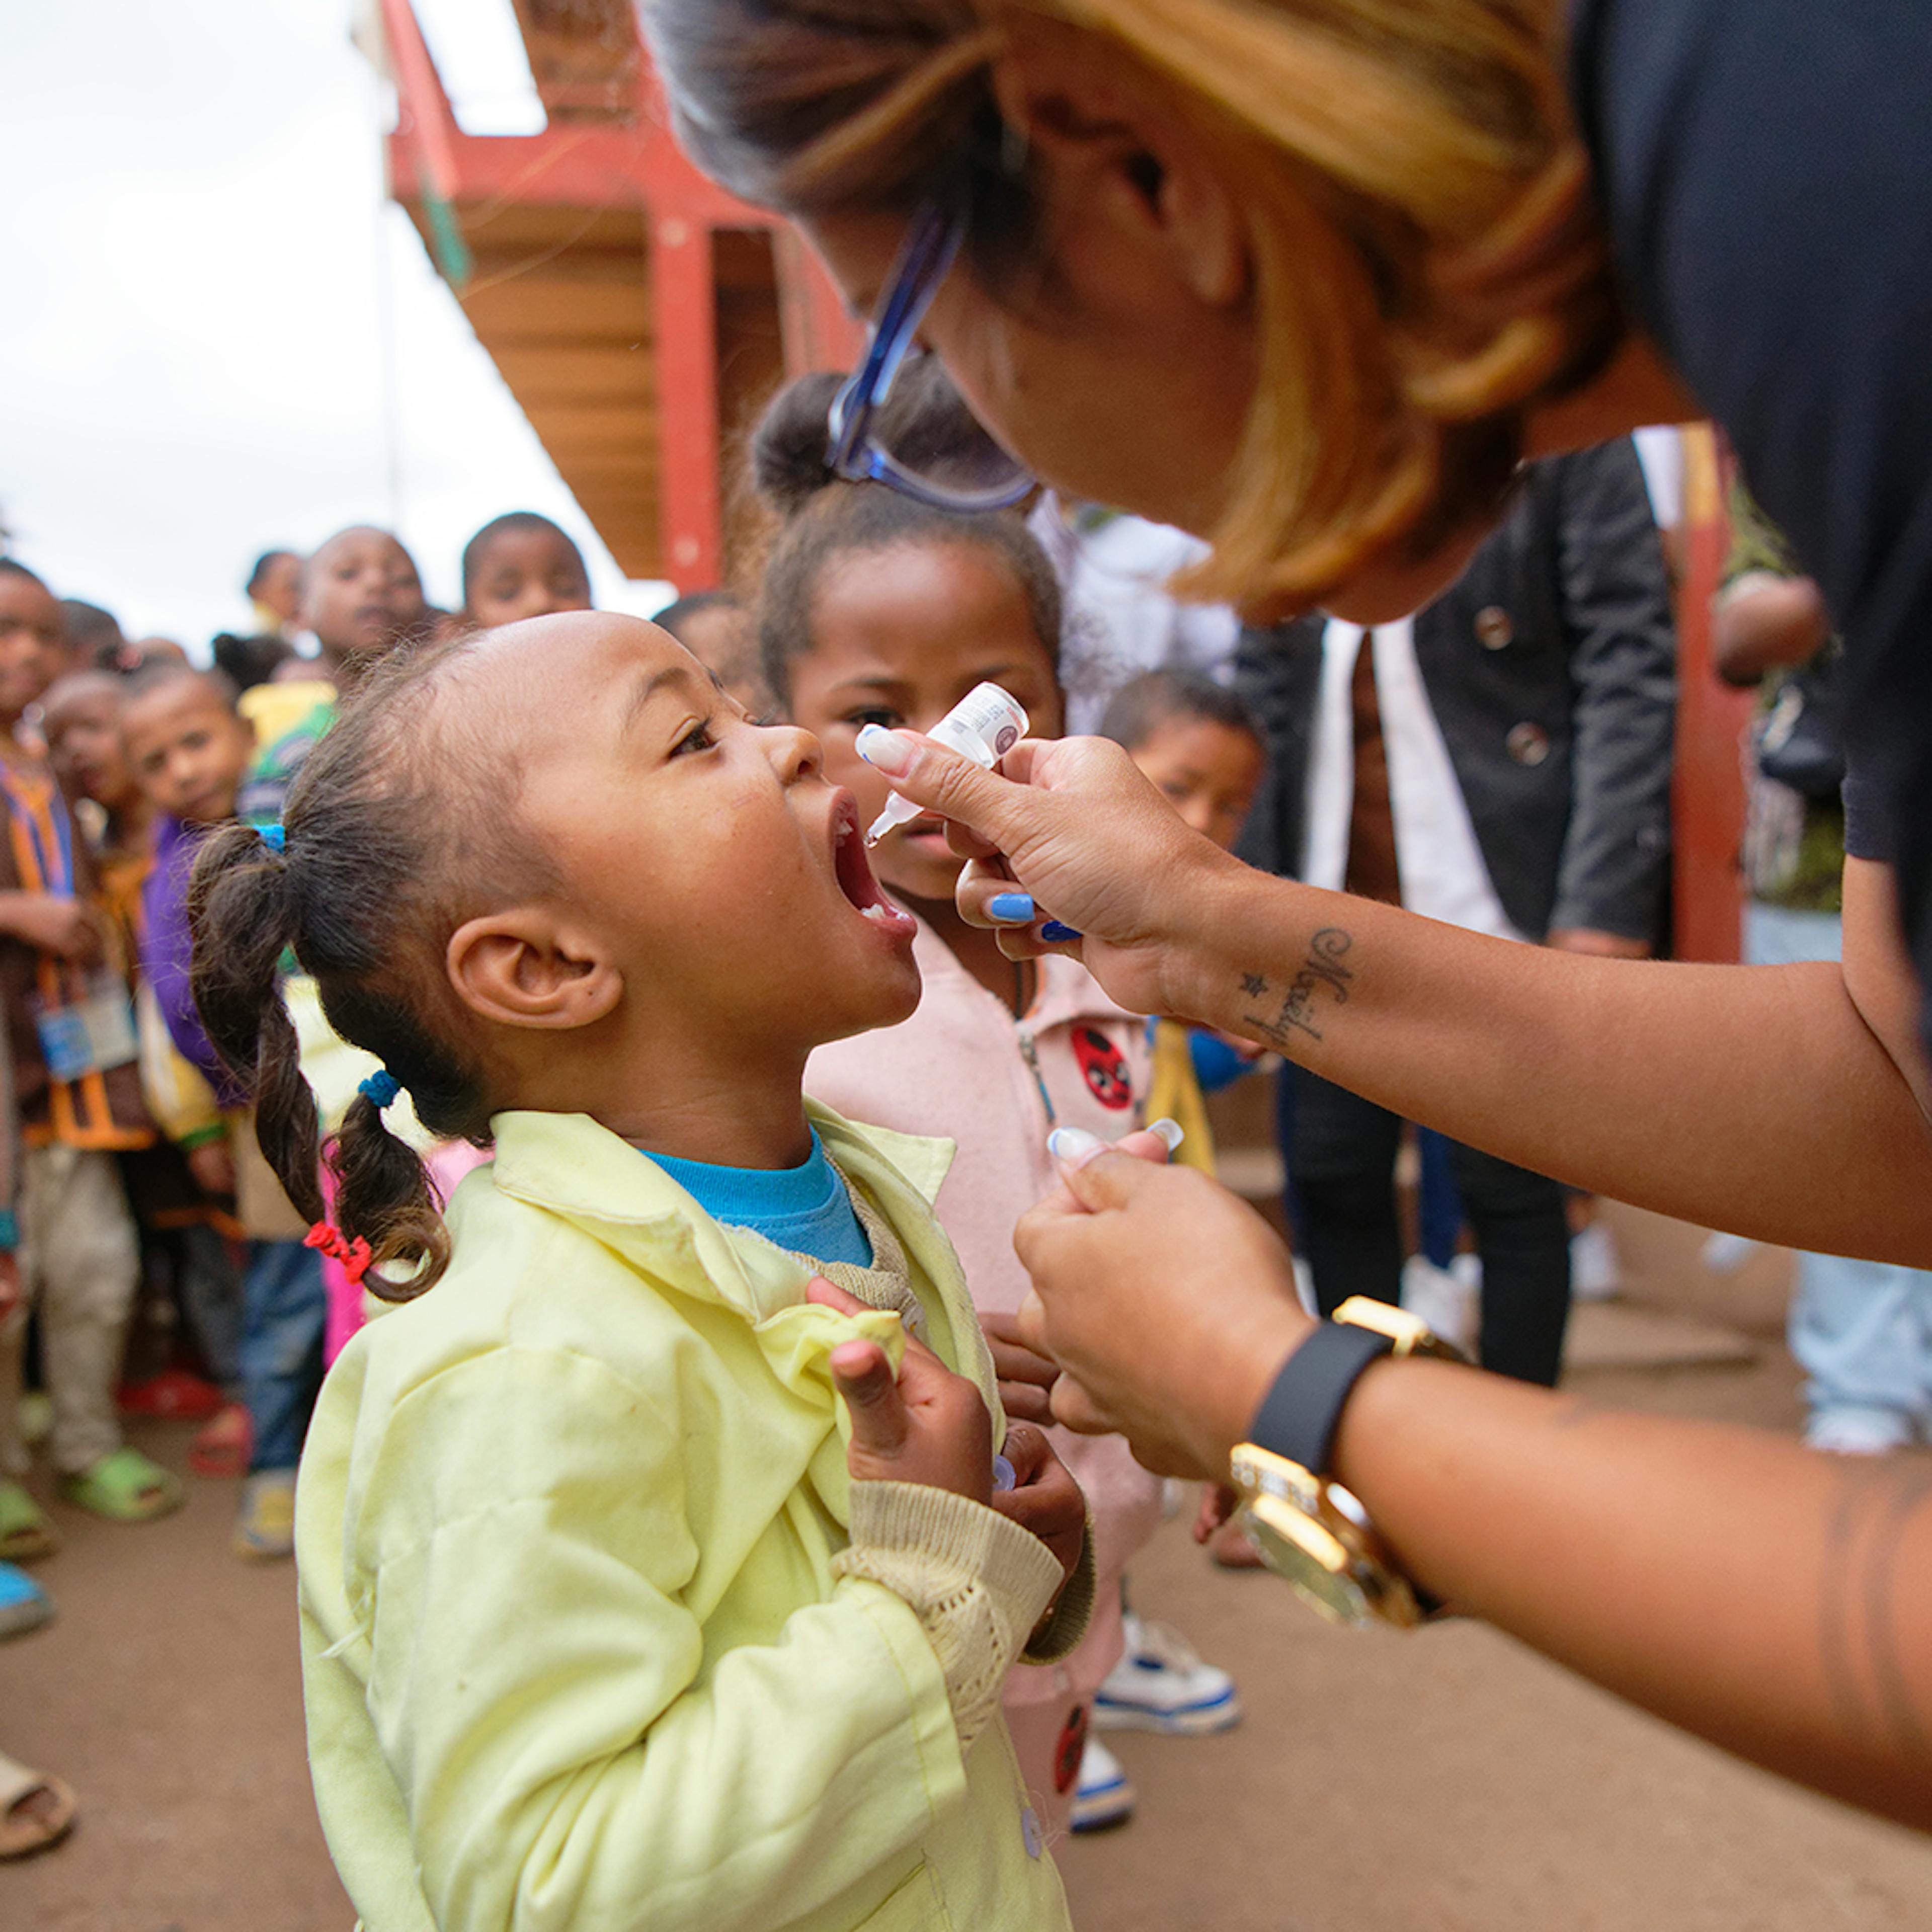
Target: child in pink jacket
column 876, row 609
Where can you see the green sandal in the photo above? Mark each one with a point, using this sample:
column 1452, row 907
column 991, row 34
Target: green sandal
column 24, row 1532
column 125, row 1487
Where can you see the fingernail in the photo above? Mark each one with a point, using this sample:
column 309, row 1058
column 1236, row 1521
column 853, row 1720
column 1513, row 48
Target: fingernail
column 1054, row 933
column 889, row 751
column 1074, row 1145
column 1009, row 908
column 1171, row 1131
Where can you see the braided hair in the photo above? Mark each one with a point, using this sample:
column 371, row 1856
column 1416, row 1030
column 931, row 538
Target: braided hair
column 394, row 833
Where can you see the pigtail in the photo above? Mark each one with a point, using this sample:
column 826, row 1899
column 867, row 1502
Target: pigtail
column 384, row 1196
column 243, row 915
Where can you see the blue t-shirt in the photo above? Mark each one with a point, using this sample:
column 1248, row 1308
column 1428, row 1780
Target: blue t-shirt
column 1765, row 168
column 804, row 1210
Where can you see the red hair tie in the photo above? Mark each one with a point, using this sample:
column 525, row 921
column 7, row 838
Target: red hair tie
column 354, row 1255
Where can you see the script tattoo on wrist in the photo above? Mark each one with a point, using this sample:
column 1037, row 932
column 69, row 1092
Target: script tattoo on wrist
column 1322, row 971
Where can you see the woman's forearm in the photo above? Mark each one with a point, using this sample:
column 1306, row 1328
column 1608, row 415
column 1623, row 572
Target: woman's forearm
column 1775, row 1101
column 1757, row 1593
column 1756, row 1099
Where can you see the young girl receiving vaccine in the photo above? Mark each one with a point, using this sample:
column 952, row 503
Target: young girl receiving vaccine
column 635, row 1588
column 878, row 611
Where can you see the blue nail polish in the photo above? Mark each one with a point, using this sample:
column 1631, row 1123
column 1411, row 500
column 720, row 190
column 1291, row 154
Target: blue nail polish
column 1012, row 908
column 1054, row 933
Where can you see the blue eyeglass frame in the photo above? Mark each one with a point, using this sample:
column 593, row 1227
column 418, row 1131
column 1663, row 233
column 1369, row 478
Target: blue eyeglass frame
column 931, row 249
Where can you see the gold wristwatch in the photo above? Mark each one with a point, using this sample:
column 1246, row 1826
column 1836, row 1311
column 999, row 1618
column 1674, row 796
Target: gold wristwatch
column 1309, row 1530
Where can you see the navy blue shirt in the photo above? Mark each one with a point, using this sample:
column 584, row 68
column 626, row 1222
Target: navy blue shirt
column 1765, row 168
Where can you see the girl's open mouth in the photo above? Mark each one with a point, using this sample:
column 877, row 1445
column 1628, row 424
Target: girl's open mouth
column 854, row 871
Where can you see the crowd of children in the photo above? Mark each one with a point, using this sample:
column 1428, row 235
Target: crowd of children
column 283, row 962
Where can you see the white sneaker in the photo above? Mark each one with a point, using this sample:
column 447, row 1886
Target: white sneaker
column 1857, row 1431
column 1160, row 1684
column 1449, row 1303
column 1104, row 1796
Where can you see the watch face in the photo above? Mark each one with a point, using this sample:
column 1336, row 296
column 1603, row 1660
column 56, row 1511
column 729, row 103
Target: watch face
column 1310, row 1560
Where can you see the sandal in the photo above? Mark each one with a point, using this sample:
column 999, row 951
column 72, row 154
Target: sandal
column 221, row 1447
column 35, row 1810
column 126, row 1486
column 24, row 1605
column 174, row 1395
column 25, row 1531
column 264, row 1527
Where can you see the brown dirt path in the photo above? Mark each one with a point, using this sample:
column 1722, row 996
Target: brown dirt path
column 1446, row 1783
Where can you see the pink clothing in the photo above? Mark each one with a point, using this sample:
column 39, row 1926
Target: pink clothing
column 963, row 1068
column 448, row 1162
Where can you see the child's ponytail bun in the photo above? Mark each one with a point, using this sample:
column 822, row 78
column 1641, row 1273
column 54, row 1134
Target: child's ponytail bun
column 824, row 516
column 926, row 422
column 790, row 445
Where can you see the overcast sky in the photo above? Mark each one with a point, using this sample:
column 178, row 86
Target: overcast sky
column 216, row 336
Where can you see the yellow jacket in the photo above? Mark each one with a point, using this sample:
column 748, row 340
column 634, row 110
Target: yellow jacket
column 584, row 1642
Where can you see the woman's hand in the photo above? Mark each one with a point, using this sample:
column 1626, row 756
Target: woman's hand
column 1074, row 825
column 1169, row 1304
column 1045, row 1498
column 925, row 1425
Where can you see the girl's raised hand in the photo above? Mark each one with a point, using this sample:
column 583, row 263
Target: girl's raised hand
column 1044, row 1498
column 925, row 1425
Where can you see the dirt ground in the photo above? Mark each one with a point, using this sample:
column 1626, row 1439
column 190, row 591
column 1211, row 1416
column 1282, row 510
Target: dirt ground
column 1447, row 1782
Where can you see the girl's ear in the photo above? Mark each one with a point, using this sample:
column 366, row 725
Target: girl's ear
column 525, row 968
column 1119, row 156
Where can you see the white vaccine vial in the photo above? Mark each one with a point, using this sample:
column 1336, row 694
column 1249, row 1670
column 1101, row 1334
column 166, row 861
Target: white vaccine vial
column 984, row 726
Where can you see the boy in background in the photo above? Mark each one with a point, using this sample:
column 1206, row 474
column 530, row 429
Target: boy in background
column 361, row 597
column 1195, row 739
column 715, row 628
column 189, row 751
column 80, row 718
column 521, row 565
column 274, row 593
column 78, row 1090
column 191, row 1283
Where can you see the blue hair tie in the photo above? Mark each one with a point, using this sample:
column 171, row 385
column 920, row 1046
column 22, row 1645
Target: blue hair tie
column 274, row 837
column 381, row 1087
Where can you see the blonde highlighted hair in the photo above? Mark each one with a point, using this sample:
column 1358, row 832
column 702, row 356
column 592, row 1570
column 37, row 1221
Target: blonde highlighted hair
column 1427, row 262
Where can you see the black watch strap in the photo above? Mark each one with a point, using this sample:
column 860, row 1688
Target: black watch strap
column 1299, row 1415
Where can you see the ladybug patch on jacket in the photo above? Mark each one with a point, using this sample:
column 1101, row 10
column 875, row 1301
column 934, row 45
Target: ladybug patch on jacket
column 1105, row 1067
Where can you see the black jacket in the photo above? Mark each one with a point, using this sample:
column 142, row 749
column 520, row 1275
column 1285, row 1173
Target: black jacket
column 1551, row 668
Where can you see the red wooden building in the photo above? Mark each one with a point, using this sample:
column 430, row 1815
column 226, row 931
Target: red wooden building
column 640, row 315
